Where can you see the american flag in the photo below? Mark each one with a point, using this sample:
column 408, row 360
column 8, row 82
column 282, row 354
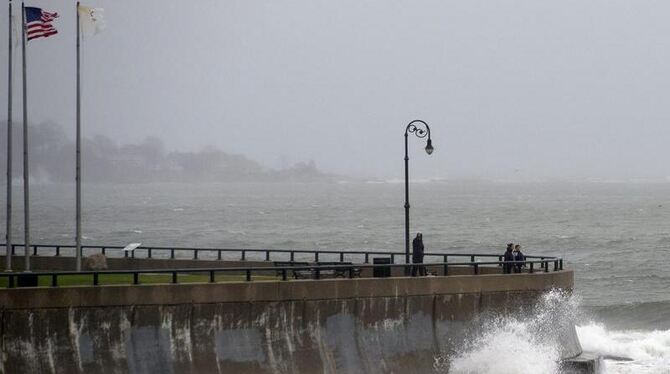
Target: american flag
column 38, row 23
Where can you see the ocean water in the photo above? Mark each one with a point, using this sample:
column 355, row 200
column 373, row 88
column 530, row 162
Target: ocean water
column 615, row 235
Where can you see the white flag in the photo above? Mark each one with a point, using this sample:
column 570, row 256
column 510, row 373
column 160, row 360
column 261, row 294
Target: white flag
column 91, row 20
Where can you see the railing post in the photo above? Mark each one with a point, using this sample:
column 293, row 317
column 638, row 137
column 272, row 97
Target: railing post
column 211, row 276
column 446, row 269
column 35, row 250
column 500, row 258
column 316, row 256
column 132, row 254
column 136, row 278
column 392, row 258
column 57, row 250
column 54, row 280
column 367, row 258
column 317, row 273
column 341, row 256
column 244, row 255
column 95, row 279
column 476, row 268
column 472, row 258
column 445, row 258
column 546, row 266
column 351, row 273
column 531, row 268
column 172, row 254
column 174, row 277
column 195, row 254
column 560, row 263
column 13, row 249
column 125, row 254
column 11, row 281
column 542, row 263
column 283, row 274
column 218, row 256
column 292, row 256
column 149, row 253
column 555, row 265
column 267, row 255
column 103, row 250
column 248, row 275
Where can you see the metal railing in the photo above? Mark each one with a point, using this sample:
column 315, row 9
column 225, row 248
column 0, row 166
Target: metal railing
column 277, row 272
column 250, row 254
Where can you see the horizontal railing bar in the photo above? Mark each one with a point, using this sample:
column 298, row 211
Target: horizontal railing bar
column 265, row 268
column 288, row 251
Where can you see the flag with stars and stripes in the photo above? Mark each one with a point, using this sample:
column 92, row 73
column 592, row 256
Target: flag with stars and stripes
column 39, row 23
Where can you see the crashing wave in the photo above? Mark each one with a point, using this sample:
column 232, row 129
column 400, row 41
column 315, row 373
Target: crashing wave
column 527, row 342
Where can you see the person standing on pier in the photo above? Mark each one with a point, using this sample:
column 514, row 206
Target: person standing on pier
column 417, row 255
column 519, row 258
column 508, row 258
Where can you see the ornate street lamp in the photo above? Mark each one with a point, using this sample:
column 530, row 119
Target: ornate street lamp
column 420, row 132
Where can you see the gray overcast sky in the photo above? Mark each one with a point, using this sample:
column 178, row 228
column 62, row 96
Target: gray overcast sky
column 528, row 88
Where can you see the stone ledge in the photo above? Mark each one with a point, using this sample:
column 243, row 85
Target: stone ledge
column 586, row 363
column 331, row 289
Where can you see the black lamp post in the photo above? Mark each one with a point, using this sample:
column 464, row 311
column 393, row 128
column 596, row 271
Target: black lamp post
column 420, row 132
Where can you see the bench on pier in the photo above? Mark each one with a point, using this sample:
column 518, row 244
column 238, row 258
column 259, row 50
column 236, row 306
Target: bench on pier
column 297, row 274
column 339, row 272
column 322, row 273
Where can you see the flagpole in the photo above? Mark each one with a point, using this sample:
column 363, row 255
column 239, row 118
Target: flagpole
column 78, row 162
column 8, row 237
column 26, row 174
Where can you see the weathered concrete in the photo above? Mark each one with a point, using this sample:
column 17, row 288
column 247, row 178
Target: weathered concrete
column 97, row 261
column 586, row 363
column 162, row 294
column 329, row 326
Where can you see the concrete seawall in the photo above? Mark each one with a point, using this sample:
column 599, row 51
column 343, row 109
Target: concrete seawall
column 329, row 326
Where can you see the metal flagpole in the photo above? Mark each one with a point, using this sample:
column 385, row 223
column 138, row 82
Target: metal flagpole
column 26, row 187
column 78, row 166
column 8, row 237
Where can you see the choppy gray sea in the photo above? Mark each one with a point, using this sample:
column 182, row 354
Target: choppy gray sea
column 615, row 235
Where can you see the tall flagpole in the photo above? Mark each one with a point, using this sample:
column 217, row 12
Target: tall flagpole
column 78, row 166
column 8, row 237
column 26, row 174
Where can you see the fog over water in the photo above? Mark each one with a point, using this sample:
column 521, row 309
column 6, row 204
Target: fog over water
column 517, row 89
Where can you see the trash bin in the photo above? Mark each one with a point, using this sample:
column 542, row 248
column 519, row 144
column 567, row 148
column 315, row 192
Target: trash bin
column 26, row 280
column 382, row 271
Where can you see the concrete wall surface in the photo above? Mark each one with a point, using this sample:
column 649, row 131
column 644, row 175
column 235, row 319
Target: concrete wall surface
column 393, row 325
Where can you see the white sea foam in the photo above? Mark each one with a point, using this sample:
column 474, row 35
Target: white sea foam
column 529, row 344
column 510, row 348
column 509, row 345
column 649, row 350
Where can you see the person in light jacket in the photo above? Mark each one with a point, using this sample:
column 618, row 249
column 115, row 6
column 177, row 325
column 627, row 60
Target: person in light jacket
column 518, row 256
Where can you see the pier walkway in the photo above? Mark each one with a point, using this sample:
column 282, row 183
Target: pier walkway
column 53, row 264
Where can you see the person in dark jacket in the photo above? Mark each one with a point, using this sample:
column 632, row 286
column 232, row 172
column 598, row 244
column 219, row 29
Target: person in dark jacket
column 509, row 256
column 518, row 256
column 417, row 255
